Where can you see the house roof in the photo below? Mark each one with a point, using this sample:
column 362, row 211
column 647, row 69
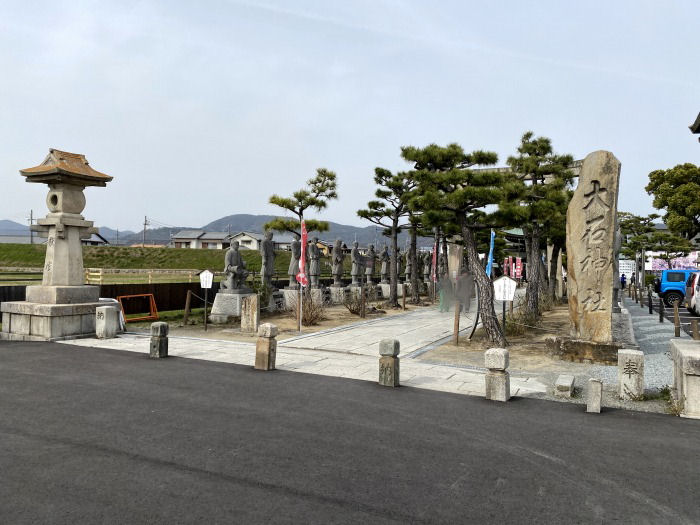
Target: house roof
column 280, row 238
column 695, row 126
column 214, row 236
column 256, row 236
column 61, row 166
column 188, row 234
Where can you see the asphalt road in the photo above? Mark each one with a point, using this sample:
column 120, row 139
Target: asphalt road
column 101, row 436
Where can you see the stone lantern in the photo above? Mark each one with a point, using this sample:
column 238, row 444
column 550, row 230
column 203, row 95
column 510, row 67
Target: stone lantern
column 62, row 307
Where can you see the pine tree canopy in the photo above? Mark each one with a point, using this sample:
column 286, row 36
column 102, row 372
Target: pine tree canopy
column 677, row 192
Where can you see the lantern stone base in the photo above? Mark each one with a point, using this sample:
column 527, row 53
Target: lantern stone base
column 227, row 305
column 29, row 321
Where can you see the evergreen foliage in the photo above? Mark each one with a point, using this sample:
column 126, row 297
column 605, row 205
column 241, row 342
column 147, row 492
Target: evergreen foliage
column 677, row 192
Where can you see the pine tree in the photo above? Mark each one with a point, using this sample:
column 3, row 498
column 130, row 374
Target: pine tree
column 452, row 194
column 390, row 211
column 539, row 180
column 321, row 189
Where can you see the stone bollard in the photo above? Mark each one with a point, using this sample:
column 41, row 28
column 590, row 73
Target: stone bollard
column 106, row 322
column 564, row 386
column 159, row 340
column 389, row 362
column 497, row 377
column 594, row 396
column 266, row 347
column 250, row 313
column 630, row 373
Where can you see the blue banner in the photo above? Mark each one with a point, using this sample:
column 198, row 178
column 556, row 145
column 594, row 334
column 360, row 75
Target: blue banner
column 489, row 264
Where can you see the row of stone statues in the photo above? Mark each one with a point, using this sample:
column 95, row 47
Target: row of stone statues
column 363, row 267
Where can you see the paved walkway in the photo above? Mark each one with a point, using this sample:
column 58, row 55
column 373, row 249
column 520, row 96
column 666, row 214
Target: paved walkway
column 350, row 352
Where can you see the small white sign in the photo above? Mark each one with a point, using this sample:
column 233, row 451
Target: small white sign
column 206, row 278
column 504, row 288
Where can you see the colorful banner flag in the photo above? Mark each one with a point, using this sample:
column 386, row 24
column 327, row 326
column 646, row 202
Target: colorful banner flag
column 301, row 276
column 489, row 264
column 518, row 268
column 434, row 272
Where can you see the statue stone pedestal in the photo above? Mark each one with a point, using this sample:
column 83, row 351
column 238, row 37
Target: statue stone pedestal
column 227, row 305
column 386, row 289
column 62, row 307
column 338, row 294
column 320, row 295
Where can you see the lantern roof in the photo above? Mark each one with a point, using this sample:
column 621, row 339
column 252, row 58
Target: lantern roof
column 61, row 166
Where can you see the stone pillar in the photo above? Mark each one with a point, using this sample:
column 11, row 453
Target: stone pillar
column 106, row 321
column 497, row 378
column 686, row 376
column 630, row 373
column 590, row 236
column 266, row 347
column 250, row 313
column 594, row 396
column 159, row 340
column 389, row 362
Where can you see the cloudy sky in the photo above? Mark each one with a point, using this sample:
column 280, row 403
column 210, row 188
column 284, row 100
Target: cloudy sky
column 203, row 109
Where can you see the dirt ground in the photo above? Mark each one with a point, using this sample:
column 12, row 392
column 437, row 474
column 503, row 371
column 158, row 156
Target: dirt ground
column 287, row 325
column 526, row 351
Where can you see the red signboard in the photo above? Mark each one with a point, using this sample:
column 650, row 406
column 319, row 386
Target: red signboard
column 518, row 268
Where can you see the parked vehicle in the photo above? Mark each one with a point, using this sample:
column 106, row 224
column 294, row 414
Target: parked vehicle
column 690, row 292
column 671, row 285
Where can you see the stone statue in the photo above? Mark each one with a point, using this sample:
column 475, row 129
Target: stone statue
column 314, row 257
column 427, row 262
column 294, row 263
column 267, row 251
column 235, row 272
column 370, row 262
column 357, row 264
column 442, row 266
column 338, row 257
column 409, row 266
column 385, row 258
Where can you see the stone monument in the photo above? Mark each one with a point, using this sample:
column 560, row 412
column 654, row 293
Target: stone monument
column 62, row 307
column 590, row 239
column 385, row 259
column 227, row 303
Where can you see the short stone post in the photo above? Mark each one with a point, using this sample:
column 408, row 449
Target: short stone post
column 694, row 329
column 159, row 340
column 676, row 320
column 564, row 386
column 497, row 378
column 389, row 362
column 106, row 322
column 250, row 313
column 594, row 396
column 630, row 373
column 266, row 347
column 661, row 310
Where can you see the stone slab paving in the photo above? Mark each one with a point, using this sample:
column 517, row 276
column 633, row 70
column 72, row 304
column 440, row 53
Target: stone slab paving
column 414, row 373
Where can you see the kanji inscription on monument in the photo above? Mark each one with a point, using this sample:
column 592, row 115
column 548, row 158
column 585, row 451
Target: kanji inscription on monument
column 590, row 246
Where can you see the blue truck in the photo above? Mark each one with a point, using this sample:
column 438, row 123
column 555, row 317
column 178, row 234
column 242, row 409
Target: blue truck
column 671, row 285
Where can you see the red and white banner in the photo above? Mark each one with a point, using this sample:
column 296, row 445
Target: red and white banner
column 518, row 268
column 434, row 272
column 301, row 276
column 506, row 266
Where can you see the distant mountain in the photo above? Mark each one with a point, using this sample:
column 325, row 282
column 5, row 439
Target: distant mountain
column 348, row 234
column 236, row 223
column 13, row 228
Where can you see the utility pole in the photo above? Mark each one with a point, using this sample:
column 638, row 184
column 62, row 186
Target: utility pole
column 145, row 223
column 31, row 221
column 117, row 236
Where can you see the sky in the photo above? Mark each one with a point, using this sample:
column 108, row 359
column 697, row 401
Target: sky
column 204, row 109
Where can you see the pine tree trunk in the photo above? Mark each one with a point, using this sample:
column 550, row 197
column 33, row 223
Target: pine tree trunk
column 415, row 282
column 393, row 260
column 532, row 244
column 485, row 290
column 554, row 271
